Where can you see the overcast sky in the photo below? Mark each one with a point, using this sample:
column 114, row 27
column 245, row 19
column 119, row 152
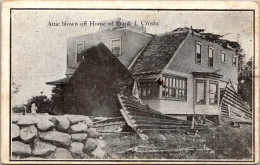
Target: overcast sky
column 39, row 50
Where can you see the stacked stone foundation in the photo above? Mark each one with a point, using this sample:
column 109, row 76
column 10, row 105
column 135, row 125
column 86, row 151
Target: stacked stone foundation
column 54, row 137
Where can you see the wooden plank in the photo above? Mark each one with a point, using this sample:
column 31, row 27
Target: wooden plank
column 157, row 119
column 126, row 105
column 158, row 122
column 141, row 113
column 226, row 101
column 105, row 125
column 235, row 95
column 128, row 121
column 235, row 101
column 144, row 126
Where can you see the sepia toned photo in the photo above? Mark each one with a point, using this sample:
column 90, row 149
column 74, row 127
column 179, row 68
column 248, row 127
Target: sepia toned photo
column 131, row 85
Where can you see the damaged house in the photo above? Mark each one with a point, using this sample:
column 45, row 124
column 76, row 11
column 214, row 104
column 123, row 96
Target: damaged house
column 183, row 72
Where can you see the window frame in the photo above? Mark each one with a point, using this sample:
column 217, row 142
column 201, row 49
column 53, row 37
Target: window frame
column 149, row 84
column 198, row 43
column 111, row 45
column 234, row 57
column 212, row 57
column 170, row 79
column 217, row 84
column 79, row 43
column 225, row 55
column 196, row 91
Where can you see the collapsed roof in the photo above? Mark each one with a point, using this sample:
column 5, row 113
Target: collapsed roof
column 93, row 88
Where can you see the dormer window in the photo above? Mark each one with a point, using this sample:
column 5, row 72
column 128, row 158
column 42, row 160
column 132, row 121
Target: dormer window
column 80, row 48
column 116, row 47
column 211, row 52
column 234, row 60
column 198, row 53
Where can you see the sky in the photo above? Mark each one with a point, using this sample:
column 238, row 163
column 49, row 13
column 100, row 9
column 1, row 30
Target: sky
column 39, row 51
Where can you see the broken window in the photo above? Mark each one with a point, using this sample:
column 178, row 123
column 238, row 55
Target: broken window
column 200, row 92
column 198, row 53
column 211, row 57
column 223, row 57
column 116, row 47
column 234, row 60
column 213, row 93
column 175, row 87
column 80, row 48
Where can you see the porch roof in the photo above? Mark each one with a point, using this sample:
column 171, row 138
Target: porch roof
column 206, row 75
column 59, row 81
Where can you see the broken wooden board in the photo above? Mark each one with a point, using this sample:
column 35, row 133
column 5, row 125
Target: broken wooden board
column 112, row 124
column 233, row 108
column 142, row 118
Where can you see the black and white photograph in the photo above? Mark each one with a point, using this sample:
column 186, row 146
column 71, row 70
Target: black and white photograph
column 132, row 85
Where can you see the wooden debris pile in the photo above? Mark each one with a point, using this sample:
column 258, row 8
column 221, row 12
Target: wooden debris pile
column 141, row 118
column 233, row 108
column 109, row 125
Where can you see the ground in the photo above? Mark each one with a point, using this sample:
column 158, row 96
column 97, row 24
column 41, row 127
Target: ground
column 221, row 142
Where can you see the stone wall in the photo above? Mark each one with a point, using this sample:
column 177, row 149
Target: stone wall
column 54, row 137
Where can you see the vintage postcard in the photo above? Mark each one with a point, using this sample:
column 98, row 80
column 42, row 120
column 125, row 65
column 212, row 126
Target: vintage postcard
column 136, row 82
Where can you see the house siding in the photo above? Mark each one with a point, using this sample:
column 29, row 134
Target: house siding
column 183, row 64
column 184, row 60
column 169, row 106
column 131, row 43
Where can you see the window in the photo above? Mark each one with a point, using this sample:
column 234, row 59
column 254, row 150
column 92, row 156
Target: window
column 116, row 47
column 200, row 92
column 80, row 48
column 198, row 53
column 211, row 51
column 223, row 57
column 149, row 89
column 174, row 87
column 234, row 60
column 213, row 93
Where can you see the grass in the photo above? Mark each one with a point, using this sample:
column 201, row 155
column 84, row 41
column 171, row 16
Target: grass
column 224, row 142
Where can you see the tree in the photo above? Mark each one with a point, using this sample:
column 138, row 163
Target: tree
column 57, row 100
column 43, row 104
column 245, row 81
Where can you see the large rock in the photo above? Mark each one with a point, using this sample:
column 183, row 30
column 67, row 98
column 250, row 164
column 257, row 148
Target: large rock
column 101, row 143
column 80, row 127
column 76, row 118
column 15, row 118
column 43, row 149
column 26, row 120
column 15, row 131
column 56, row 137
column 28, row 133
column 61, row 123
column 19, row 148
column 90, row 145
column 79, row 137
column 45, row 125
column 88, row 121
column 61, row 153
column 98, row 153
column 76, row 148
column 92, row 133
